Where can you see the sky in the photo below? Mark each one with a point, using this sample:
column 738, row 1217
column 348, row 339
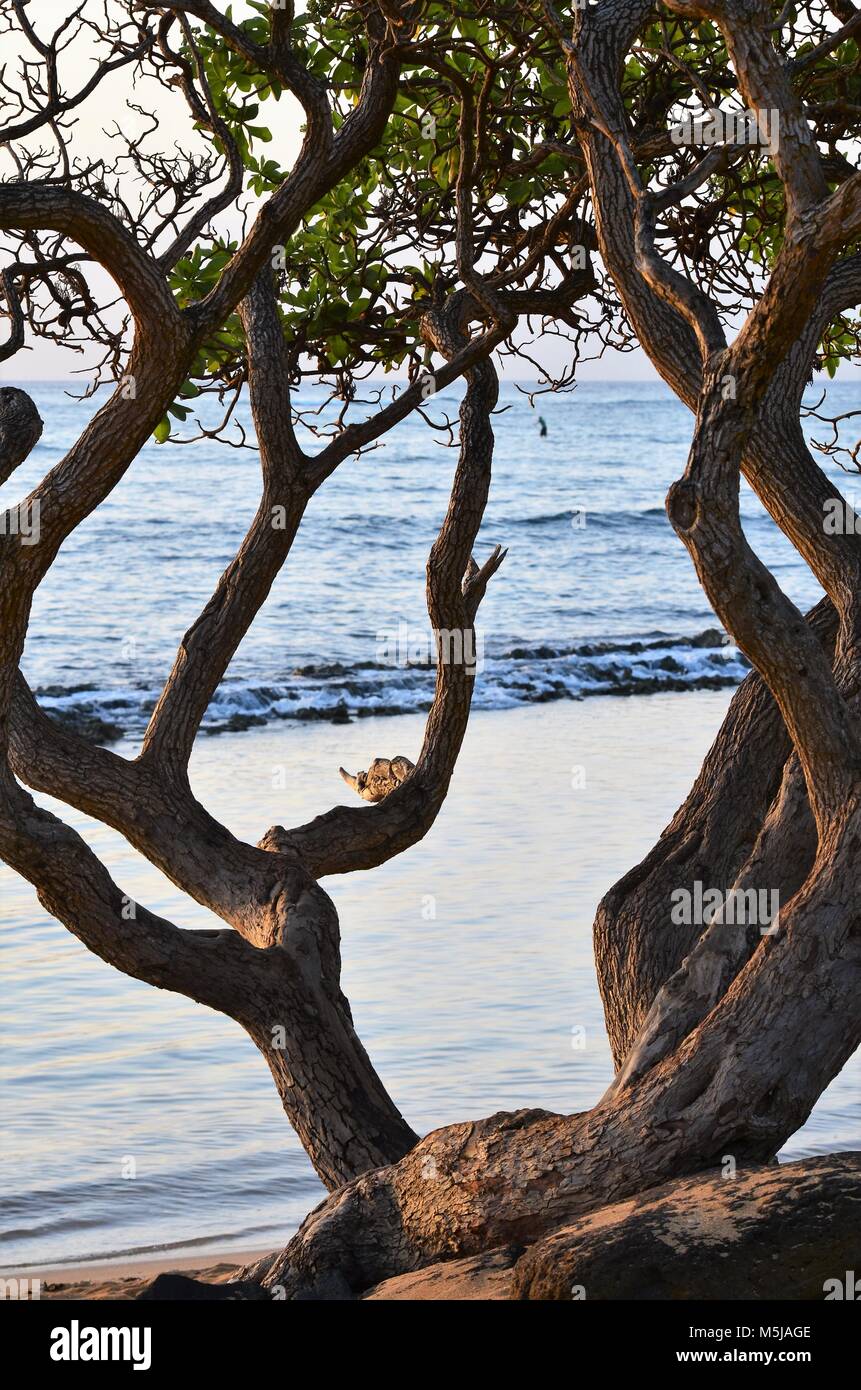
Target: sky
column 47, row 361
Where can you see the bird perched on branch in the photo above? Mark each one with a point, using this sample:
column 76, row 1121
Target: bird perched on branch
column 381, row 778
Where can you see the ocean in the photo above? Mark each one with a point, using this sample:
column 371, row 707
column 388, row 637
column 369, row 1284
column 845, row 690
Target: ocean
column 467, row 960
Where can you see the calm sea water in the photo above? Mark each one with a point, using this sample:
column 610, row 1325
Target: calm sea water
column 468, row 960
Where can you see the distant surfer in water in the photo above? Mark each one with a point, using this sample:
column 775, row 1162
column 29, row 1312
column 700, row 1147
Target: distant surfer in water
column 542, row 425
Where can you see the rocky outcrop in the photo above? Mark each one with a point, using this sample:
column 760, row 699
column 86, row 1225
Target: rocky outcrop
column 182, row 1288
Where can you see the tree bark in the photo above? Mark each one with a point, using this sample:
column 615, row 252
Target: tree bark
column 638, row 948
column 705, row 1041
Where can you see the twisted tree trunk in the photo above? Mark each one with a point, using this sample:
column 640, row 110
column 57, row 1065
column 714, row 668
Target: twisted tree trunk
column 724, row 1035
column 699, row 1020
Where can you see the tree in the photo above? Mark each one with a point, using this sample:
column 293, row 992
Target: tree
column 537, row 162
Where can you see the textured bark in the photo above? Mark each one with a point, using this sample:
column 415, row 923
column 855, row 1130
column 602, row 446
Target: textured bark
column 768, row 1233
column 511, row 1178
column 478, row 1278
column 20, row 429
column 638, row 948
column 301, row 1021
column 714, row 1059
column 708, row 1074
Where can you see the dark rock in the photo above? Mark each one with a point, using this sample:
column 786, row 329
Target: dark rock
column 88, row 725
column 236, row 724
column 712, row 637
column 176, row 1288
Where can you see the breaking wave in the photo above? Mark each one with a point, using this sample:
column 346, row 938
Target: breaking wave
column 514, row 674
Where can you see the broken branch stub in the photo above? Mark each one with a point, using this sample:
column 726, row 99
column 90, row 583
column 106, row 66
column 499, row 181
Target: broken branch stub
column 382, row 777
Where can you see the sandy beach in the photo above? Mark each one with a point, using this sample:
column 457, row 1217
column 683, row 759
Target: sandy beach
column 126, row 1279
